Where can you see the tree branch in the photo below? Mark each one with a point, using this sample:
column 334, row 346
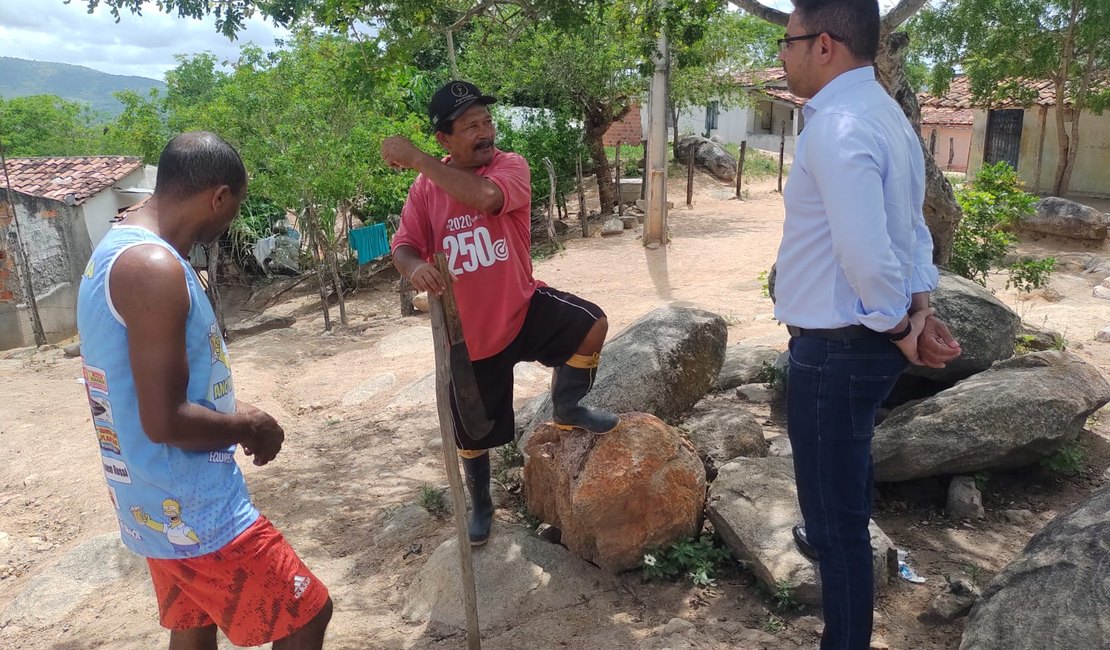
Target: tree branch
column 755, row 8
column 899, row 14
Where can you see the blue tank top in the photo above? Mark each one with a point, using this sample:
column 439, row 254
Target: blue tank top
column 171, row 503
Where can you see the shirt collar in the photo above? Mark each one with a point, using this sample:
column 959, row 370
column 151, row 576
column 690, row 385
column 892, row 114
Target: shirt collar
column 839, row 84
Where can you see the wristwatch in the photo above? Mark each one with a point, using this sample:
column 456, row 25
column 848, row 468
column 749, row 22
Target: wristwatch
column 898, row 336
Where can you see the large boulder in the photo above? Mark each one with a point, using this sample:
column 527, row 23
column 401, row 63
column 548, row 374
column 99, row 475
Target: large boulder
column 95, row 565
column 614, row 497
column 517, row 575
column 662, row 364
column 984, row 326
column 1014, row 414
column 753, row 505
column 1064, row 218
column 710, row 155
column 1056, row 594
column 744, row 364
column 722, row 434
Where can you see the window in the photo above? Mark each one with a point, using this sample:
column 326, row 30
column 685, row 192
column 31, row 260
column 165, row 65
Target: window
column 711, row 111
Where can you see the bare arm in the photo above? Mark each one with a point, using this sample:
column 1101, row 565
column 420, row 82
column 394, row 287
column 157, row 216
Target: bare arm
column 148, row 288
column 464, row 186
column 424, row 276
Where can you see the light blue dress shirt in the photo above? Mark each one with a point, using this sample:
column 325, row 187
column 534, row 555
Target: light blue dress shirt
column 855, row 245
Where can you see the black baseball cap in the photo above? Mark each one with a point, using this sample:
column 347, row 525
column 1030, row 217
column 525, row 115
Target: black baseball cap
column 452, row 100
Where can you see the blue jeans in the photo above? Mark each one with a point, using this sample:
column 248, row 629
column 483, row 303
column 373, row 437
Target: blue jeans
column 832, row 393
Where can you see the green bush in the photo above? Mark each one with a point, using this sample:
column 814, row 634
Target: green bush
column 544, row 134
column 1067, row 460
column 695, row 558
column 992, row 202
column 1028, row 274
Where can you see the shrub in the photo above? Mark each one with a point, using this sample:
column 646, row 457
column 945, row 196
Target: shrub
column 991, row 203
column 1028, row 274
column 695, row 558
column 1067, row 460
column 543, row 134
column 433, row 499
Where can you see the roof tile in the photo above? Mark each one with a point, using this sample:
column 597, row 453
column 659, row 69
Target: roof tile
column 81, row 176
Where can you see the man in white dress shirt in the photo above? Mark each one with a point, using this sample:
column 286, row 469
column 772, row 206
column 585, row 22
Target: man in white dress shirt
column 854, row 275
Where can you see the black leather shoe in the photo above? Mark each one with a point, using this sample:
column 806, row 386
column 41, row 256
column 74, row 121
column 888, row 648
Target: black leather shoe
column 802, row 542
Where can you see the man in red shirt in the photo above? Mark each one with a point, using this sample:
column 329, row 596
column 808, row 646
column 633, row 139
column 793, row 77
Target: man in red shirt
column 474, row 206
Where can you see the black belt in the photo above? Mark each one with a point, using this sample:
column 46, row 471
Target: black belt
column 845, row 333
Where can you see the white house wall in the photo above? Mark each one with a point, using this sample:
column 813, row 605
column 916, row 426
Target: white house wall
column 101, row 208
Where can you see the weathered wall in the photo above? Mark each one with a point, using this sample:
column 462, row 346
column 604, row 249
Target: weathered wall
column 1089, row 176
column 102, row 208
column 57, row 244
column 953, row 143
column 628, row 130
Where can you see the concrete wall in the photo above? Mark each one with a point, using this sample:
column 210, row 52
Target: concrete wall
column 1089, row 175
column 952, row 143
column 57, row 244
column 732, row 122
column 102, row 207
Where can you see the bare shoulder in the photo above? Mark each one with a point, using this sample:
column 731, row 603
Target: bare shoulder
column 147, row 275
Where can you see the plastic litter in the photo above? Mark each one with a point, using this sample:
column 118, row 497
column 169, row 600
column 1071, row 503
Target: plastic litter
column 905, row 570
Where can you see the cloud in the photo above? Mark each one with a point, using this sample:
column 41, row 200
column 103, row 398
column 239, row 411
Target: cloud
column 50, row 30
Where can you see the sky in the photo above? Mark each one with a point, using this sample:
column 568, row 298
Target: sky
column 50, row 30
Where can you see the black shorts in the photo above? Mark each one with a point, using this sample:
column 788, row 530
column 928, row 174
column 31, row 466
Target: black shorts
column 554, row 328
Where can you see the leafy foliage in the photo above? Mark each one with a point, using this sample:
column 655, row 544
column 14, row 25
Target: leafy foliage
column 544, row 134
column 46, row 125
column 1028, row 274
column 1068, row 460
column 697, row 559
column 992, row 202
column 433, row 499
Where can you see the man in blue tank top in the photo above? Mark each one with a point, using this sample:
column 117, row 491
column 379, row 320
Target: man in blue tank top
column 159, row 384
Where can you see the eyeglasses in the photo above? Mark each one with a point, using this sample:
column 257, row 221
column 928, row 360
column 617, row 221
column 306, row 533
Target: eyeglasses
column 785, row 42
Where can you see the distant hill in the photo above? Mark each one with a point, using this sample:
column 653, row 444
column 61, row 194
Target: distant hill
column 20, row 78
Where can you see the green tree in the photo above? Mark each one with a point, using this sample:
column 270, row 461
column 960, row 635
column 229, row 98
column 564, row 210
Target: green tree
column 1000, row 42
column 140, row 129
column 47, row 125
column 734, row 42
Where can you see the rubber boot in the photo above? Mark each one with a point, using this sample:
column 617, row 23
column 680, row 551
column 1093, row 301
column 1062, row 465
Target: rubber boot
column 481, row 505
column 569, row 384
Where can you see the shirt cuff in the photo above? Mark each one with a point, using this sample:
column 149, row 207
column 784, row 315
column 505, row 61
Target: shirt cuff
column 924, row 278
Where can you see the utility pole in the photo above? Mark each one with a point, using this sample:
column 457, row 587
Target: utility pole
column 22, row 260
column 655, row 225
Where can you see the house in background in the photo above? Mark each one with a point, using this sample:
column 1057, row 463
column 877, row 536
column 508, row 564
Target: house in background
column 65, row 206
column 1024, row 135
column 947, row 134
column 759, row 117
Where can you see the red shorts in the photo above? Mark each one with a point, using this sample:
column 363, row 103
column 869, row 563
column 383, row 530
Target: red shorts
column 255, row 588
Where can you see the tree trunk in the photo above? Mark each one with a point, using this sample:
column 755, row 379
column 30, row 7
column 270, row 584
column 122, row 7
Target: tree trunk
column 597, row 123
column 212, row 252
column 942, row 213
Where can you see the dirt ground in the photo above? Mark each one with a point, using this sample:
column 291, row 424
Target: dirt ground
column 358, row 408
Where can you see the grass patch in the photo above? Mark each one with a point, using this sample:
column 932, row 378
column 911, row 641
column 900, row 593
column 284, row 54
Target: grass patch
column 433, row 499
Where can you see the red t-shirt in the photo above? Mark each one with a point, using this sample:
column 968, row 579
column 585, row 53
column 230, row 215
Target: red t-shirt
column 490, row 254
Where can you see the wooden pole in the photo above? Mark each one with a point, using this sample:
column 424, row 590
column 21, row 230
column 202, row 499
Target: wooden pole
column 22, row 260
column 212, row 255
column 740, row 167
column 581, row 198
column 689, row 177
column 443, row 308
column 620, row 198
column 406, row 291
column 552, row 202
column 313, row 244
column 782, row 154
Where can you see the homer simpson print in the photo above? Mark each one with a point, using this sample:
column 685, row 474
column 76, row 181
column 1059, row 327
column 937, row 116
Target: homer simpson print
column 182, row 536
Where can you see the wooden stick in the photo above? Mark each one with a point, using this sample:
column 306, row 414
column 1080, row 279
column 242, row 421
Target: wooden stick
column 740, row 167
column 581, row 198
column 689, row 176
column 443, row 308
column 620, row 198
column 782, row 154
column 552, row 203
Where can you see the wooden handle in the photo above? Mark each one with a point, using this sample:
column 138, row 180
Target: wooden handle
column 450, row 309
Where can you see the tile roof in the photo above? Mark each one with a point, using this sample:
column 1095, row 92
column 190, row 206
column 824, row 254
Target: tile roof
column 938, row 116
column 785, row 95
column 959, row 95
column 761, row 77
column 81, row 176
